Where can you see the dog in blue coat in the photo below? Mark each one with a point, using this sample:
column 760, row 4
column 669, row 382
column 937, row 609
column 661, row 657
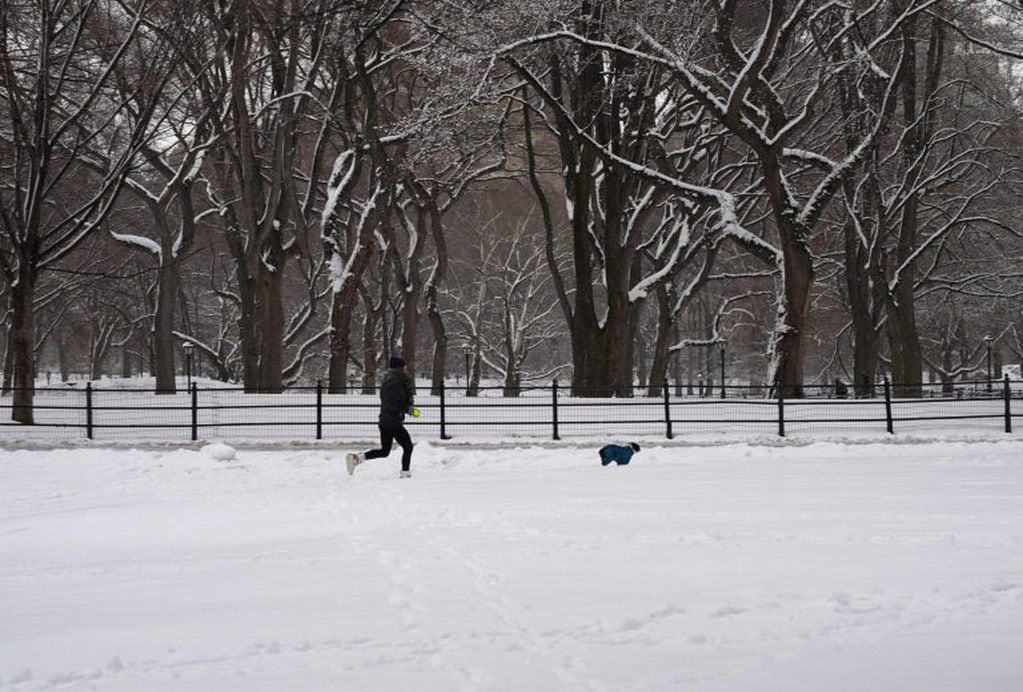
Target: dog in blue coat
column 618, row 454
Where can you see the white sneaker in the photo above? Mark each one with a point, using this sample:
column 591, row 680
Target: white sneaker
column 405, row 474
column 352, row 460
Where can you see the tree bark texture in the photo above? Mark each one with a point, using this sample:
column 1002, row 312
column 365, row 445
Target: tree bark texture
column 22, row 344
column 163, row 328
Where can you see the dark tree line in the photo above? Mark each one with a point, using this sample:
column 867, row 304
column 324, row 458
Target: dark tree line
column 603, row 190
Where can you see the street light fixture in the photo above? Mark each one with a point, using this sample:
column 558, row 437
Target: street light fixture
column 188, row 346
column 987, row 342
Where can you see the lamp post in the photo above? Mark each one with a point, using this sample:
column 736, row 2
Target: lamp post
column 987, row 342
column 465, row 352
column 723, row 368
column 188, row 346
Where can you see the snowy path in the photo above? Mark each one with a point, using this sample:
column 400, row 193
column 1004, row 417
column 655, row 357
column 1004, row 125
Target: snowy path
column 827, row 566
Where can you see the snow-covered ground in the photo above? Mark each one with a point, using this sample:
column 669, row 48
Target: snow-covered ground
column 784, row 566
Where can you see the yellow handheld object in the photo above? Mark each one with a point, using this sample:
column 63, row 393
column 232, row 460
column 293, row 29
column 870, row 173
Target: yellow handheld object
column 415, row 412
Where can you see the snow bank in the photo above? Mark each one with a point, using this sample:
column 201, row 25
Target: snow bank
column 219, row 451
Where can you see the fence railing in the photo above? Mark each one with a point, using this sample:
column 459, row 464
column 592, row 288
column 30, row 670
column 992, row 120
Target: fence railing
column 549, row 412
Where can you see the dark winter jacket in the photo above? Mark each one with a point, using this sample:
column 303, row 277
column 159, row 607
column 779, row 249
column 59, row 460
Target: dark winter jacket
column 395, row 397
column 619, row 454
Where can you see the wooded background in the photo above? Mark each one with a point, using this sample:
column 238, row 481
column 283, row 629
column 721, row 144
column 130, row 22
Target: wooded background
column 609, row 192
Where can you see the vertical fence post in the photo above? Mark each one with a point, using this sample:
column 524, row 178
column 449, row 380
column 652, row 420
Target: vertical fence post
column 443, row 414
column 554, row 404
column 195, row 411
column 1008, row 406
column 667, row 411
column 88, row 410
column 781, row 411
column 319, row 409
column 888, row 405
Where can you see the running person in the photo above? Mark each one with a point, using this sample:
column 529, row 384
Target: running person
column 396, row 398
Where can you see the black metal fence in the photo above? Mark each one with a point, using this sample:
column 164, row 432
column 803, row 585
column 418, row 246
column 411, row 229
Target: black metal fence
column 549, row 412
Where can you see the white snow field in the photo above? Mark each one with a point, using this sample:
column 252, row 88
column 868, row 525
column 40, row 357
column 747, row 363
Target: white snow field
column 773, row 566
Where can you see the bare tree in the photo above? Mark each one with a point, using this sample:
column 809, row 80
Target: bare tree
column 363, row 184
column 267, row 85
column 406, row 158
column 57, row 65
column 505, row 309
column 929, row 188
column 771, row 82
column 613, row 120
column 164, row 186
column 216, row 335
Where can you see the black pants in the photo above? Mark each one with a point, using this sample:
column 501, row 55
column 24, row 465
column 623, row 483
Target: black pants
column 389, row 433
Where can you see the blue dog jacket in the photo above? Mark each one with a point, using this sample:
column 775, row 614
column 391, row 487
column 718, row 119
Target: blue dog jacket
column 619, row 454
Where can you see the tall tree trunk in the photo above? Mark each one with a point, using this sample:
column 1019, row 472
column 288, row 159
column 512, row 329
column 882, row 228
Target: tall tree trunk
column 508, row 346
column 433, row 313
column 413, row 289
column 63, row 359
column 21, row 344
column 619, row 265
column 587, row 340
column 340, row 347
column 676, row 368
column 371, row 319
column 789, row 339
column 617, row 328
column 621, row 359
column 511, row 374
column 97, row 355
column 440, row 347
column 168, row 279
column 659, row 366
column 8, row 373
column 475, row 371
column 248, row 330
column 589, row 362
column 904, row 338
column 861, row 288
column 271, row 351
column 341, row 313
column 163, row 328
column 410, row 329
